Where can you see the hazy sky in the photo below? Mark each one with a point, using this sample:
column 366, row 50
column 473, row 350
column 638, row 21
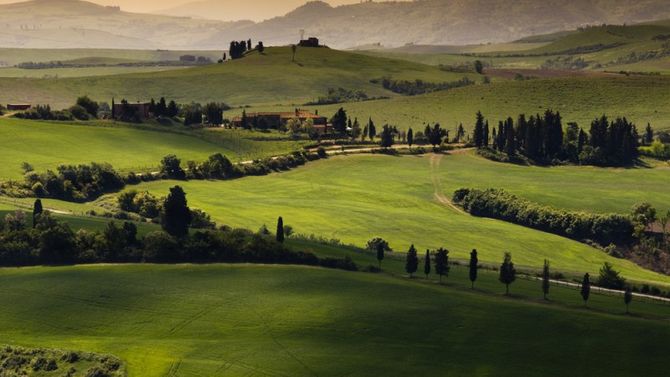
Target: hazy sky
column 280, row 6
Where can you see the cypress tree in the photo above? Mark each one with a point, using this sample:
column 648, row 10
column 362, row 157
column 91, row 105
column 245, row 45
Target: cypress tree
column 280, row 230
column 37, row 211
column 507, row 272
column 380, row 253
column 627, row 298
column 372, row 130
column 479, row 130
column 545, row 279
column 486, row 134
column 426, row 264
column 586, row 288
column 474, row 266
column 412, row 262
column 410, row 137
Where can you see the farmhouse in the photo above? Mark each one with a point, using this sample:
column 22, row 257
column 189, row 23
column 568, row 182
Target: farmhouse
column 309, row 42
column 277, row 120
column 18, row 107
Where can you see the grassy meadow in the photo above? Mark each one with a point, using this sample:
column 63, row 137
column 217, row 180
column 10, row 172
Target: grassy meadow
column 59, row 73
column 280, row 320
column 401, row 199
column 45, row 145
column 14, row 56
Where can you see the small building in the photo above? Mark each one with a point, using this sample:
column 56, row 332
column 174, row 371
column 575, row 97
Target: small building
column 276, row 120
column 127, row 110
column 309, row 42
column 18, row 106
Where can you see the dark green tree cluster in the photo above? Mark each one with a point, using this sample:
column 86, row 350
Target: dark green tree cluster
column 611, row 143
column 498, row 204
column 163, row 109
column 436, row 134
column 75, row 183
column 237, row 49
column 416, row 87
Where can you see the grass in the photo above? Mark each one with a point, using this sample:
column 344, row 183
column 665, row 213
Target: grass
column 258, row 320
column 14, row 56
column 640, row 99
column 46, row 145
column 58, row 73
column 270, row 77
column 357, row 198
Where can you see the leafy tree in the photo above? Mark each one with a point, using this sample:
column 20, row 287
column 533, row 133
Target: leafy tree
column 176, row 216
column 410, row 137
column 89, row 105
column 386, row 137
column 644, row 214
column 171, row 167
column 507, row 272
column 412, row 262
column 664, row 220
column 37, row 211
column 610, row 278
column 280, row 230
column 545, row 279
column 628, row 298
column 380, row 254
column 474, row 266
column 586, row 288
column 442, row 262
column 435, row 134
column 426, row 264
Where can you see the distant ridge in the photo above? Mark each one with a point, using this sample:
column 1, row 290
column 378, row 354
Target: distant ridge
column 68, row 23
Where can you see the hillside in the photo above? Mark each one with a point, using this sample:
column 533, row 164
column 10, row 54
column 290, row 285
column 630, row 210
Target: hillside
column 283, row 320
column 270, row 77
column 75, row 23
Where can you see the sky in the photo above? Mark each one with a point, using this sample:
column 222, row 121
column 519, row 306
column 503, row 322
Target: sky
column 279, row 7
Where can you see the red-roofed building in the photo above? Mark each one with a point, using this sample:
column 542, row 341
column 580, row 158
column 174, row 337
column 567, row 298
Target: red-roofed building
column 276, row 120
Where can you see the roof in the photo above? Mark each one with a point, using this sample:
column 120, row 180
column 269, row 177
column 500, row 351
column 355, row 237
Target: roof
column 283, row 115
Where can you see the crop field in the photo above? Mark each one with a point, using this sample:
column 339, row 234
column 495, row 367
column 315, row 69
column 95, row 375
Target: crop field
column 45, row 145
column 271, row 77
column 274, row 320
column 401, row 199
column 641, row 99
column 59, row 73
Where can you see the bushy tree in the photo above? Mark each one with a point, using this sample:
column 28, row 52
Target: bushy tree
column 610, row 278
column 171, row 167
column 89, row 105
column 176, row 216
column 507, row 272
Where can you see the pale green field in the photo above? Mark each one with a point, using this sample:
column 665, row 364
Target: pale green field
column 356, row 198
column 14, row 56
column 46, row 145
column 57, row 73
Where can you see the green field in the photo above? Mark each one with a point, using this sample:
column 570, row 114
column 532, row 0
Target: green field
column 356, row 198
column 640, row 99
column 14, row 56
column 281, row 321
column 46, row 145
column 270, row 77
column 59, row 73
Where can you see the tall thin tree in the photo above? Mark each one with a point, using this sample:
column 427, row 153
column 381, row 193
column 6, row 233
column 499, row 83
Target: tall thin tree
column 442, row 262
column 380, row 253
column 507, row 272
column 426, row 264
column 586, row 289
column 474, row 265
column 627, row 298
column 545, row 279
column 280, row 230
column 37, row 211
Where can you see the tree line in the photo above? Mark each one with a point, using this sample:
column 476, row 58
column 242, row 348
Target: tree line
column 543, row 139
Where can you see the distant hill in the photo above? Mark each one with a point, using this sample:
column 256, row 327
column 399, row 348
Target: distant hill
column 74, row 23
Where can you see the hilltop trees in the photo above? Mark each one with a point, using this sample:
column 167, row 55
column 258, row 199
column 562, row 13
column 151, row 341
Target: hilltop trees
column 176, row 216
column 473, row 267
column 237, row 49
column 507, row 272
column 412, row 261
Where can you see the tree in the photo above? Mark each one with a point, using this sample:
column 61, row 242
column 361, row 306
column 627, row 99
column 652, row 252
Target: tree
column 372, row 130
column 172, row 109
column 644, row 214
column 479, row 130
column 627, row 298
column 280, row 230
column 412, row 262
column 545, row 279
column 479, row 67
column 664, row 220
column 435, row 134
column 294, row 49
column 410, row 137
column 442, row 262
column 356, row 130
column 214, row 113
column 260, row 47
column 648, row 135
column 380, row 253
column 171, row 167
column 507, row 272
column 37, row 211
column 89, row 105
column 474, row 266
column 586, row 288
column 339, row 121
column 176, row 216
column 426, row 264
column 610, row 278
column 386, row 137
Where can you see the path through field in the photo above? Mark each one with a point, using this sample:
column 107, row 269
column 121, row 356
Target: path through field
column 435, row 160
